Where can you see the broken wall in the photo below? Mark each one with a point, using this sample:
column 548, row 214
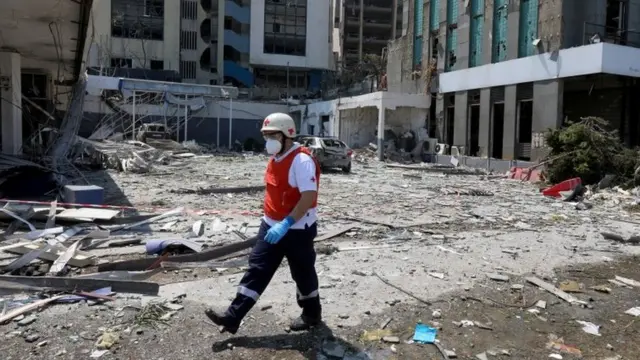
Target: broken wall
column 358, row 127
column 405, row 119
column 312, row 117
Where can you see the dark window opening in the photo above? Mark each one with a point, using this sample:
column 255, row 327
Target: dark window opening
column 498, row 131
column 137, row 19
column 121, row 63
column 285, row 27
column 525, row 128
column 156, row 65
column 189, row 9
column 188, row 40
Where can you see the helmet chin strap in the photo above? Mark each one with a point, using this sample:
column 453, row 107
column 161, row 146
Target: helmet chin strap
column 283, row 148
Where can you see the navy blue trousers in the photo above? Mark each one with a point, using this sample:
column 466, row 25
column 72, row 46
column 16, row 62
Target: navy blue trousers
column 265, row 258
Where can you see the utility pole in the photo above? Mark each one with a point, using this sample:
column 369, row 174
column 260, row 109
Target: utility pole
column 287, row 82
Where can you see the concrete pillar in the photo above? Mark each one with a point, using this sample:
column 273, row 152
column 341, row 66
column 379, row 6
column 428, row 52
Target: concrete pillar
column 442, row 37
column 487, row 30
column 220, row 45
column 440, row 118
column 484, row 128
column 361, row 34
column 394, row 19
column 513, row 29
column 464, row 28
column 381, row 110
column 11, row 93
column 547, row 113
column 461, row 117
column 509, row 136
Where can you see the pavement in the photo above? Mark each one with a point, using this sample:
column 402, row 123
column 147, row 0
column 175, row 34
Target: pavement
column 416, row 237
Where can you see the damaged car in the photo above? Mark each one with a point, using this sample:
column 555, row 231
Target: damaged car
column 330, row 152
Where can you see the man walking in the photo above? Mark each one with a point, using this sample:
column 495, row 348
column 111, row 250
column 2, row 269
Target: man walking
column 288, row 229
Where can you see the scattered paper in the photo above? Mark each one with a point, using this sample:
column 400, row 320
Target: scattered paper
column 634, row 311
column 589, row 327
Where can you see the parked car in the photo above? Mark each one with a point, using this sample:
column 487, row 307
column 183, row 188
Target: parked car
column 152, row 131
column 330, row 152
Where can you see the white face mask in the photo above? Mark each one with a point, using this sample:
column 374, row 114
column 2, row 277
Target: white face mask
column 273, row 146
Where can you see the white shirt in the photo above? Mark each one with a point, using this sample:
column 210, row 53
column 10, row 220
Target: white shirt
column 302, row 175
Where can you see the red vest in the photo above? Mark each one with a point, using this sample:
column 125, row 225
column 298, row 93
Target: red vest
column 280, row 198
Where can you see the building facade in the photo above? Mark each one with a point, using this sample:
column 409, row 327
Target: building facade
column 503, row 72
column 259, row 45
column 365, row 27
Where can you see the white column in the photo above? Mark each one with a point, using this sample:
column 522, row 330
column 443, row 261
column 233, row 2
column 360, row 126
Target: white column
column 230, row 123
column 381, row 125
column 11, row 93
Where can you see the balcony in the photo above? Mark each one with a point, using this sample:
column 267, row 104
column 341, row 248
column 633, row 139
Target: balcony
column 237, row 41
column 240, row 74
column 241, row 14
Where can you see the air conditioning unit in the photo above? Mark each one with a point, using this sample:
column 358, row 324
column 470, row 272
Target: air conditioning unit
column 457, row 151
column 429, row 146
column 442, row 149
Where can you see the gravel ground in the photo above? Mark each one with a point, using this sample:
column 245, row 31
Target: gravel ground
column 437, row 234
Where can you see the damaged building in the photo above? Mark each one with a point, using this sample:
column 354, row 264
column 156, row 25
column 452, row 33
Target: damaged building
column 502, row 72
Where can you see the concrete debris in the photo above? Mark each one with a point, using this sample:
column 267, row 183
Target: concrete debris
column 428, row 228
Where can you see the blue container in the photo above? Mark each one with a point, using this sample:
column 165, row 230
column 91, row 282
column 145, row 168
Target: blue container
column 84, row 194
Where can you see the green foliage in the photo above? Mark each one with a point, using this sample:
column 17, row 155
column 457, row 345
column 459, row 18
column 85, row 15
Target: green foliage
column 587, row 150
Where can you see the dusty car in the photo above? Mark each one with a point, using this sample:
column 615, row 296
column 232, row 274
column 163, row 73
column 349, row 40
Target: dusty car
column 330, row 152
column 152, row 131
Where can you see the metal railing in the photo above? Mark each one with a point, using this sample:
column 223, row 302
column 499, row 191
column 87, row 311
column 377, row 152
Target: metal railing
column 595, row 33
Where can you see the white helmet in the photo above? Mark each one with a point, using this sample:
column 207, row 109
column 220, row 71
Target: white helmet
column 280, row 122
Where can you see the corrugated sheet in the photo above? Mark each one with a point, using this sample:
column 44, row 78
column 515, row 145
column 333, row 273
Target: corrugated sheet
column 524, row 92
column 477, row 25
column 528, row 27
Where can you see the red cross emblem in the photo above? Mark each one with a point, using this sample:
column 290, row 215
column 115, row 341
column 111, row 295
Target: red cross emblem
column 313, row 179
column 266, row 122
column 291, row 131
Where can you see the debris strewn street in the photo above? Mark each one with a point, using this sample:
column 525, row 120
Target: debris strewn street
column 406, row 254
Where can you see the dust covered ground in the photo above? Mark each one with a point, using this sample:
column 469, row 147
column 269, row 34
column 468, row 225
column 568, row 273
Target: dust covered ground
column 431, row 235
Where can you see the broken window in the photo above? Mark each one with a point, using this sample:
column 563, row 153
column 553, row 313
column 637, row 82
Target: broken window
column 137, row 19
column 285, row 27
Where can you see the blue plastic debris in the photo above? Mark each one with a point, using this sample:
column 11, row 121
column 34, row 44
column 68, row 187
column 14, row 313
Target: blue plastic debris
column 424, row 334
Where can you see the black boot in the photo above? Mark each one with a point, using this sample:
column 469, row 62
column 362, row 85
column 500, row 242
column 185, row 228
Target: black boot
column 303, row 323
column 225, row 323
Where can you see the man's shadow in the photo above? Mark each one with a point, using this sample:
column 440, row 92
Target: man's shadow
column 319, row 343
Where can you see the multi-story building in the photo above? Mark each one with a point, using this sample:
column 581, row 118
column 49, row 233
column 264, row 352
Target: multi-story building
column 502, row 72
column 261, row 44
column 364, row 27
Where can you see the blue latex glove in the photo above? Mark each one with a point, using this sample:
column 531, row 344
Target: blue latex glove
column 279, row 230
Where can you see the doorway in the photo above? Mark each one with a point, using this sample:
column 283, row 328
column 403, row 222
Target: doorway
column 451, row 113
column 433, row 123
column 525, row 128
column 324, row 125
column 498, row 131
column 474, row 130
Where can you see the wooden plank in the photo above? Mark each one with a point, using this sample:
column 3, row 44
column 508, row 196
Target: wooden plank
column 554, row 290
column 82, row 284
column 334, row 233
column 627, row 281
column 144, row 263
